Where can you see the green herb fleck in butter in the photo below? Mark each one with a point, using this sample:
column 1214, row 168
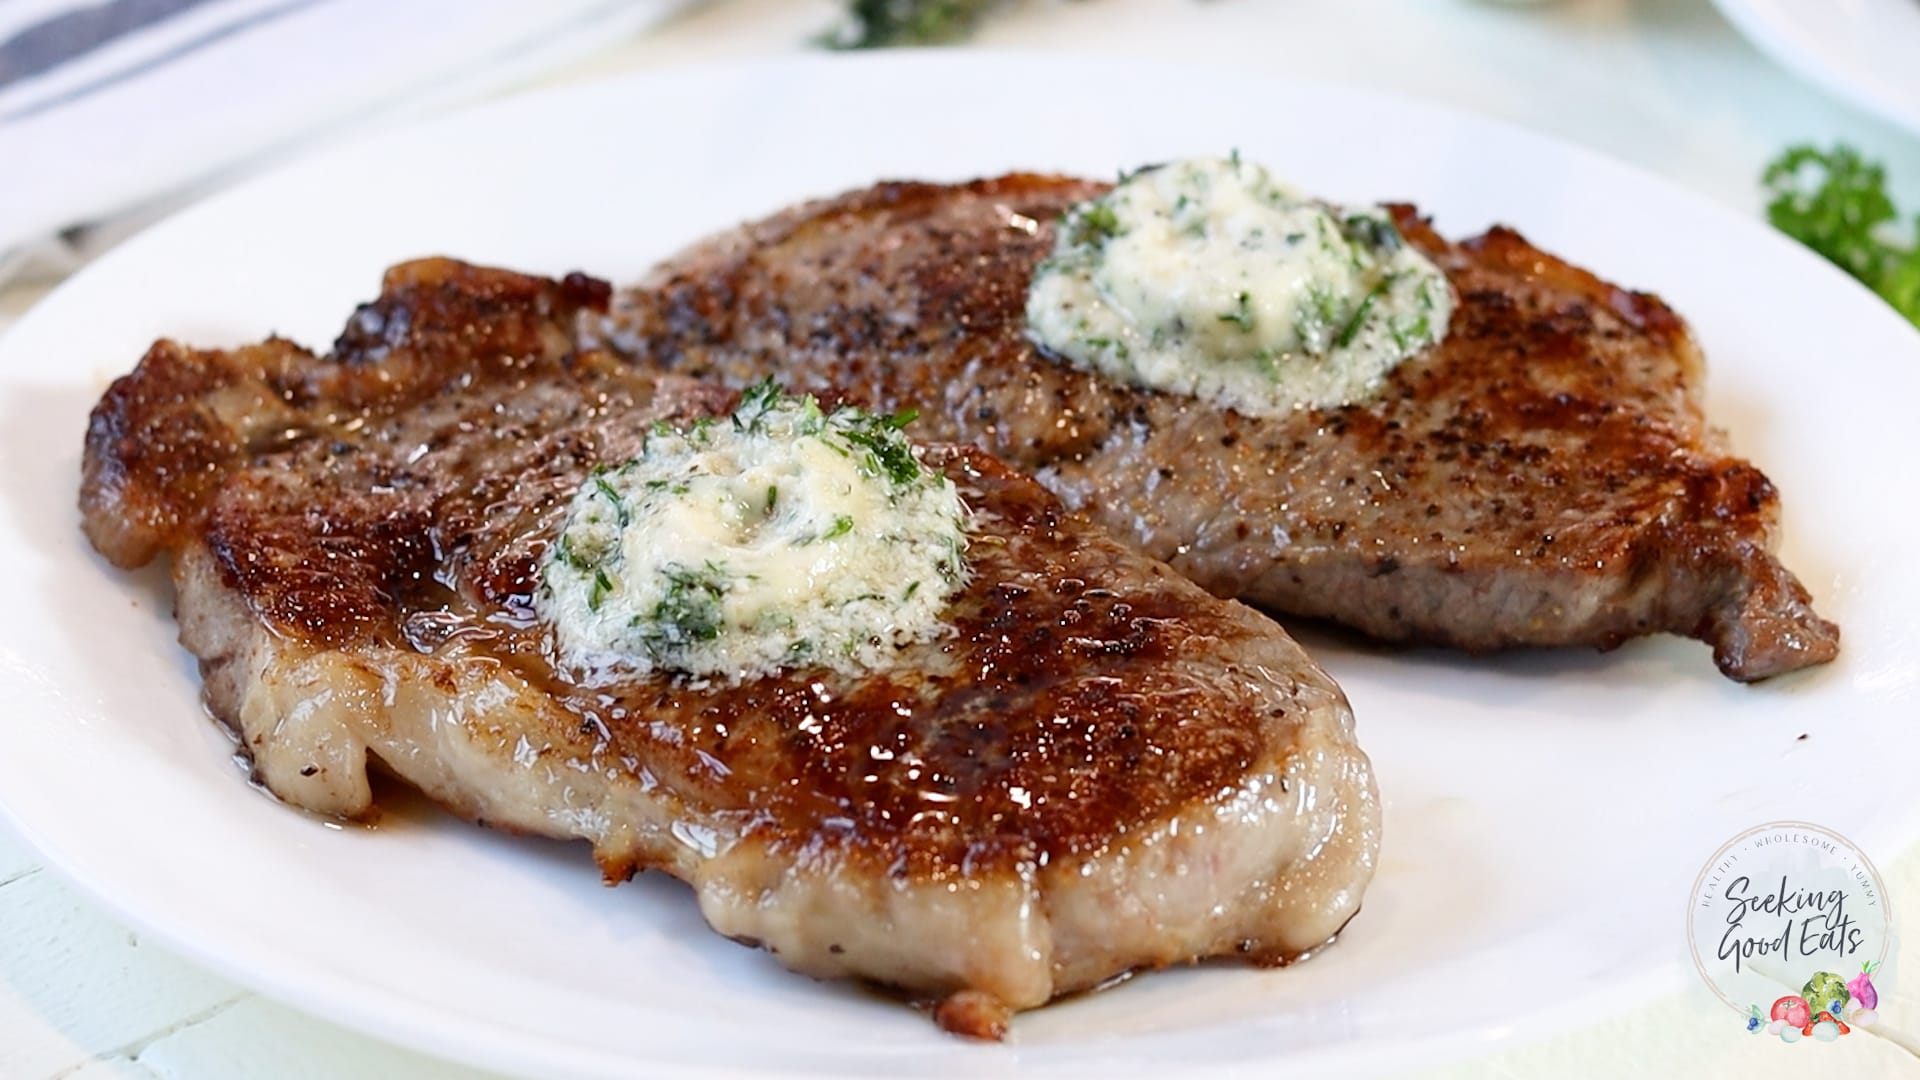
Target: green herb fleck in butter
column 1210, row 278
column 781, row 537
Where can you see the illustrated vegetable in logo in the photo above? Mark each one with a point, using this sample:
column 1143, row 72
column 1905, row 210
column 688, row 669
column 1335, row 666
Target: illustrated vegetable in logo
column 1817, row 1011
column 1790, row 1011
column 1826, row 991
column 1830, row 995
column 1826, row 1027
column 1865, row 998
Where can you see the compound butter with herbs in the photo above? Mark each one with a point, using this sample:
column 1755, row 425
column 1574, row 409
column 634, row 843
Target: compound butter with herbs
column 1210, row 278
column 780, row 536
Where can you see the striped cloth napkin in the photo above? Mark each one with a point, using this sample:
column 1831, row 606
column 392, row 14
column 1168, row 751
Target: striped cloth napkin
column 108, row 106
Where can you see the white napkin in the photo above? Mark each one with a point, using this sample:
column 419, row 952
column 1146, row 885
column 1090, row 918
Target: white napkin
column 106, row 105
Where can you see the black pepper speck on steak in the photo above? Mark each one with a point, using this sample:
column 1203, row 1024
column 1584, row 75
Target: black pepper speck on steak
column 1545, row 476
column 1103, row 768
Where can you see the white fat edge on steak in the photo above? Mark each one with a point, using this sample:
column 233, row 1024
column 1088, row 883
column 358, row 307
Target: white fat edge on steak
column 1209, row 277
column 780, row 536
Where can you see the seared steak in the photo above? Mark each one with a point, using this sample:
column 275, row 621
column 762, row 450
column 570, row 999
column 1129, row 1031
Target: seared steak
column 1104, row 768
column 1545, row 476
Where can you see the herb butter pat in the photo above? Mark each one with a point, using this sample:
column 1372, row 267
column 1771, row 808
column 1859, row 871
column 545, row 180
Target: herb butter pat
column 780, row 536
column 1210, row 278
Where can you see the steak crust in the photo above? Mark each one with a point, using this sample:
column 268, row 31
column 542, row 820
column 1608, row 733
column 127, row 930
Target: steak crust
column 1543, row 477
column 1104, row 768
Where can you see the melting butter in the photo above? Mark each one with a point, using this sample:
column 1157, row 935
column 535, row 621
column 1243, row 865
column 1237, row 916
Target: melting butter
column 1210, row 278
column 780, row 536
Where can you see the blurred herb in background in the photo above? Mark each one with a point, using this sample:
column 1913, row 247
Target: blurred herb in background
column 1837, row 204
column 874, row 23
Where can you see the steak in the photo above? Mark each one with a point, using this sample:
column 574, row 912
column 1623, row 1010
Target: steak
column 1103, row 768
column 1545, row 476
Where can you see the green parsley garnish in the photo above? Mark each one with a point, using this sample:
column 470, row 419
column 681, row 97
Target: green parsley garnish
column 571, row 557
column 1836, row 203
column 755, row 402
column 1349, row 331
column 1242, row 313
column 690, row 610
column 874, row 23
column 1377, row 234
column 1318, row 315
column 1092, row 223
column 888, row 452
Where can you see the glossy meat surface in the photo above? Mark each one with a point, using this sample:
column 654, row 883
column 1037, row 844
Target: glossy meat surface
column 1103, row 768
column 1545, row 476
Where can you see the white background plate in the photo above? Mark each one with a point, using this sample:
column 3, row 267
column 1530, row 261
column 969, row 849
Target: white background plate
column 1546, row 813
column 1865, row 51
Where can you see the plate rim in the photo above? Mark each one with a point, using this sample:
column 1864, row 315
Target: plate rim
column 453, row 1033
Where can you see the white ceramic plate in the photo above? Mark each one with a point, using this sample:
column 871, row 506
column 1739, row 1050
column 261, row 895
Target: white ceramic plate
column 1546, row 813
column 1865, row 51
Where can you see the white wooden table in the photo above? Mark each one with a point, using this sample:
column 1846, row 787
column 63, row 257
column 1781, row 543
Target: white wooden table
column 1665, row 84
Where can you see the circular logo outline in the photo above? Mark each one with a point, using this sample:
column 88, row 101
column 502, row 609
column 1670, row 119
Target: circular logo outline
column 1721, row 852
